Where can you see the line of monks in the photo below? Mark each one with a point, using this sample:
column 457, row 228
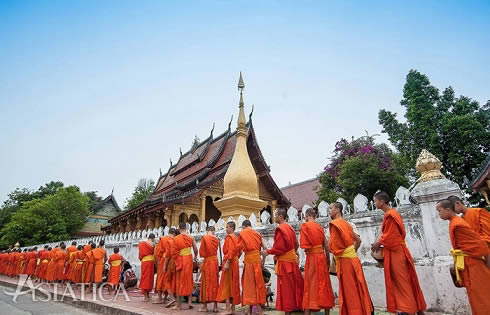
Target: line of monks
column 68, row 265
column 175, row 258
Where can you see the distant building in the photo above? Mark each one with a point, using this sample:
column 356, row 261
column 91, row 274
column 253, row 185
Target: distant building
column 302, row 193
column 99, row 218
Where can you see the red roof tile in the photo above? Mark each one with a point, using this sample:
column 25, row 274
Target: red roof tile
column 303, row 193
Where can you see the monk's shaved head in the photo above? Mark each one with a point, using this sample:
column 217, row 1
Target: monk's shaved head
column 245, row 223
column 182, row 226
column 447, row 204
column 280, row 212
column 310, row 212
column 210, row 229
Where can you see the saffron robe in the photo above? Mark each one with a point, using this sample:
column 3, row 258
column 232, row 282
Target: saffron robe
column 229, row 285
column 354, row 296
column 99, row 255
column 183, row 264
column 89, row 272
column 31, row 263
column 476, row 275
column 253, row 286
column 115, row 261
column 318, row 293
column 209, row 268
column 479, row 221
column 43, row 264
column 70, row 251
column 51, row 265
column 169, row 277
column 160, row 256
column 59, row 264
column 403, row 292
column 87, row 248
column 147, row 266
column 289, row 280
column 76, row 275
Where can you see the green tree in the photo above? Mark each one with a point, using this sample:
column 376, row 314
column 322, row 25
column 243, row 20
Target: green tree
column 52, row 218
column 455, row 129
column 141, row 192
column 93, row 198
column 361, row 166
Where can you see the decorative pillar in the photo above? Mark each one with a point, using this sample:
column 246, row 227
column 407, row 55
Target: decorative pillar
column 139, row 222
column 203, row 206
column 122, row 226
column 151, row 221
column 158, row 219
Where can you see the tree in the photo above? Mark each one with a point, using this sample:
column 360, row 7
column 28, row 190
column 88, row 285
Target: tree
column 20, row 196
column 455, row 129
column 141, row 192
column 52, row 218
column 93, row 198
column 361, row 166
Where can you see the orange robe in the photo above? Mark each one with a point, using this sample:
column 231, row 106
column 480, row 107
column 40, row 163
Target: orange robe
column 160, row 256
column 169, row 280
column 76, row 275
column 99, row 255
column 89, row 272
column 209, row 268
column 31, row 263
column 147, row 266
column 476, row 275
column 289, row 280
column 43, row 264
column 59, row 265
column 229, row 286
column 115, row 261
column 479, row 221
column 253, row 286
column 403, row 292
column 70, row 251
column 184, row 264
column 51, row 265
column 86, row 263
column 38, row 262
column 354, row 296
column 21, row 263
column 318, row 293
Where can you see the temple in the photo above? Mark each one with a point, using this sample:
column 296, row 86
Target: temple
column 481, row 182
column 99, row 217
column 227, row 172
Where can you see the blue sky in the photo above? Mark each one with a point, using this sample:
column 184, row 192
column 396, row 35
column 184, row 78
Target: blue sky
column 102, row 93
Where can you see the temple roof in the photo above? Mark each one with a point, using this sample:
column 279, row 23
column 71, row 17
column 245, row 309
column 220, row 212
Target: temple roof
column 203, row 165
column 102, row 203
column 482, row 174
column 302, row 193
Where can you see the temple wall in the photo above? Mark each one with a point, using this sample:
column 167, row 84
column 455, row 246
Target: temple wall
column 427, row 239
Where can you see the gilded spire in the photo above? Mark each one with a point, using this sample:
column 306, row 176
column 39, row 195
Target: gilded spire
column 241, row 123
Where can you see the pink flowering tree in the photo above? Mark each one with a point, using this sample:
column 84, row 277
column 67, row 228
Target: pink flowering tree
column 362, row 166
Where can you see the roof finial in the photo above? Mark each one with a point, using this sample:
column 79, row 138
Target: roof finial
column 160, row 172
column 251, row 113
column 170, row 162
column 212, row 129
column 180, row 150
column 241, row 123
column 112, row 192
column 229, row 124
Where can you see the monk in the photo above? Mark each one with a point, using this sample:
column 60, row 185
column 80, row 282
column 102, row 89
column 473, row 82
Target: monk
column 289, row 280
column 43, row 267
column 169, row 280
column 70, row 261
column 89, row 273
column 31, row 262
column 87, row 248
column 354, row 298
column 115, row 261
column 403, row 292
column 318, row 293
column 471, row 258
column 59, row 263
column 40, row 256
column 160, row 254
column 147, row 266
column 229, row 286
column 51, row 264
column 100, row 257
column 184, row 265
column 477, row 218
column 209, row 270
column 253, row 286
column 79, row 257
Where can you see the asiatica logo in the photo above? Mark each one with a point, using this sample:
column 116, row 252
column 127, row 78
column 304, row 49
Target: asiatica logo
column 45, row 292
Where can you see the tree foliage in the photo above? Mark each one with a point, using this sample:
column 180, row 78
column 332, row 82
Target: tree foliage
column 51, row 218
column 141, row 192
column 93, row 199
column 361, row 166
column 455, row 129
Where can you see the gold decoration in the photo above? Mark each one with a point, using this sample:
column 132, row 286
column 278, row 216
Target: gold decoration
column 17, row 245
column 429, row 167
column 240, row 185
